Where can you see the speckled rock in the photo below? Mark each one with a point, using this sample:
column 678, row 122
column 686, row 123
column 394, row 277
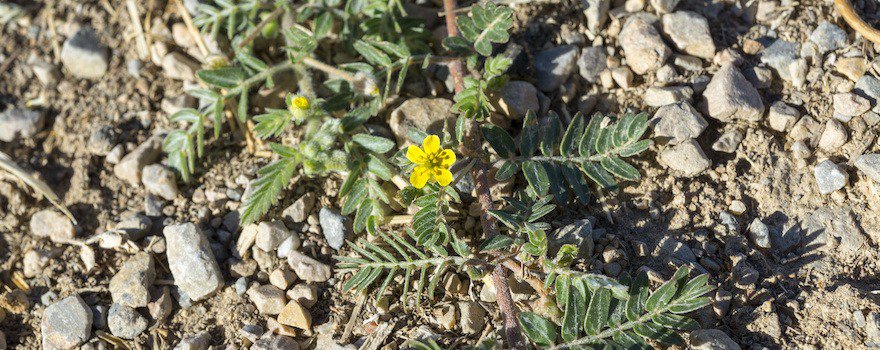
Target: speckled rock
column 191, row 261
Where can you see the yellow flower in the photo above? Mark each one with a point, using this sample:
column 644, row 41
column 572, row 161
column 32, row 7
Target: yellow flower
column 432, row 163
column 298, row 106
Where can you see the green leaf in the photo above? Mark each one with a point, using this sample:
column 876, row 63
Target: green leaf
column 355, row 118
column 536, row 175
column 538, row 329
column 497, row 242
column 598, row 311
column 662, row 295
column 323, row 24
column 226, row 77
column 658, row 333
column 266, row 188
column 599, row 175
column 634, row 307
column 186, row 115
column 676, row 322
column 506, row 171
column 574, row 312
column 572, row 136
column 500, row 140
column 272, row 124
column 634, row 148
column 591, row 134
column 363, row 213
column 685, row 306
column 550, row 134
column 376, row 144
column 372, row 54
column 487, row 24
column 355, row 197
column 620, row 168
column 379, row 167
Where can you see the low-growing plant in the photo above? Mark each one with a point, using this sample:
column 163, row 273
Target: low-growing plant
column 361, row 52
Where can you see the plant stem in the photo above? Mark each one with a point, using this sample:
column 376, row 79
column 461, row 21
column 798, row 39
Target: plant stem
column 256, row 31
column 452, row 30
column 308, row 61
column 326, row 68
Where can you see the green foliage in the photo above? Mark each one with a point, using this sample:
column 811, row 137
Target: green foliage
column 429, row 223
column 473, row 100
column 231, row 16
column 488, row 23
column 553, row 161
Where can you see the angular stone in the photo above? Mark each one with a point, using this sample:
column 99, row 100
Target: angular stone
column 760, row 234
column 473, row 317
column 270, row 235
column 293, row 314
column 282, row 278
column 850, row 105
column 66, row 324
column 833, row 137
column 730, row 96
column 869, row 88
column 679, row 122
column 516, row 98
column 642, row 45
column 686, row 159
column 828, row 37
column 179, row 66
column 578, row 233
column 191, row 261
column 125, row 322
column 593, row 60
column 781, row 116
column 304, row 293
column 35, row 261
column 102, row 140
column 553, row 66
column 779, row 56
column 423, row 114
column 246, row 240
column 84, row 56
column 199, row 341
column 307, row 268
column 300, row 209
column 869, row 164
column 661, row 96
column 334, row 227
column 690, row 33
column 130, row 286
column 596, row 12
column 268, row 299
column 160, row 180
column 23, row 123
column 131, row 166
column 729, row 141
column 830, row 177
column 664, row 6
column 52, row 224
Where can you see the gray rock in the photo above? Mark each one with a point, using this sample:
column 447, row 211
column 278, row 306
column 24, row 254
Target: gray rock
column 689, row 33
column 779, row 56
column 179, row 66
column 760, row 234
column 52, row 224
column 334, row 227
column 669, row 246
column 191, row 262
column 869, row 164
column 270, row 235
column 685, row 159
column 275, row 342
column 730, row 96
column 869, row 87
column 596, row 12
column 160, row 180
column 199, row 341
column 711, row 339
column 660, row 96
column 300, row 209
column 554, row 66
column 423, row 114
column 125, row 322
column 578, row 233
column 473, row 317
column 307, row 268
column 834, row 136
column 130, row 286
column 593, row 60
column 872, row 329
column 642, row 45
column 664, row 6
column 102, row 140
column 729, row 141
column 84, row 55
column 161, row 305
column 66, row 324
column 268, row 298
column 135, row 226
column 850, row 105
column 516, row 98
column 828, row 37
column 130, row 167
column 782, row 117
column 679, row 122
column 23, row 123
column 830, row 177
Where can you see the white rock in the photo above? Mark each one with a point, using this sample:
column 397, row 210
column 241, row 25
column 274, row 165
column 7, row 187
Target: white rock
column 179, row 66
column 661, row 96
column 711, row 339
column 191, row 261
column 66, row 324
column 160, row 180
column 642, row 45
column 679, row 122
column 869, row 164
column 130, row 286
column 52, row 224
column 307, row 268
column 833, row 136
column 131, row 166
column 270, row 235
column 851, row 105
column 730, row 96
column 729, row 141
column 781, row 116
column 830, row 177
column 690, row 33
column 16, row 122
column 685, row 159
column 516, row 98
column 84, row 56
column 268, row 299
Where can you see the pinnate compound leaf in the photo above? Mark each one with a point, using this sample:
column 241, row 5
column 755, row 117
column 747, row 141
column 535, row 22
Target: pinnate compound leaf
column 266, row 188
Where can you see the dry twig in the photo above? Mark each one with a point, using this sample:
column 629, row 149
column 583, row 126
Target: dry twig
column 855, row 21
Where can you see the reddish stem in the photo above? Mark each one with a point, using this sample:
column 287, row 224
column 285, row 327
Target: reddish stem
column 455, row 69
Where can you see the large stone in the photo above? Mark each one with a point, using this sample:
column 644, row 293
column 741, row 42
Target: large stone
column 295, row 315
column 780, row 56
column 593, row 60
column 730, row 96
column 473, row 317
column 23, row 123
column 160, row 180
column 333, row 226
column 52, row 224
column 828, row 37
column 689, row 33
column 66, row 324
column 516, row 99
column 642, row 45
column 270, row 235
column 307, row 268
column 869, row 164
column 596, row 12
column 125, row 322
column 191, row 261
column 685, row 159
column 132, row 165
column 830, row 177
column 130, row 286
column 268, row 299
column 578, row 233
column 553, row 66
column 678, row 122
column 422, row 114
column 84, row 56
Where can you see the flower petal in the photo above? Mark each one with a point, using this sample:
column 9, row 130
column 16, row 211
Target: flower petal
column 443, row 176
column 446, row 158
column 431, row 145
column 420, row 176
column 416, row 155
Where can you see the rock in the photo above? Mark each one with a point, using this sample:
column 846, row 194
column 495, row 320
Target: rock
column 25, row 123
column 666, row 74
column 268, row 299
column 300, row 209
column 130, row 286
column 661, row 96
column 334, row 227
column 829, row 177
column 729, row 141
column 596, row 12
column 310, row 270
column 130, row 167
column 270, row 235
column 134, row 226
column 160, row 307
column 781, row 116
column 34, row 261
column 423, row 114
column 473, row 317
column 115, row 155
column 578, row 233
column 282, row 278
column 852, row 67
column 760, row 234
column 160, row 180
column 179, row 66
column 52, row 224
column 125, row 322
column 711, row 339
column 689, row 33
column 869, row 88
column 199, row 341
column 669, row 246
column 686, row 159
column 101, row 141
column 84, row 56
column 277, row 342
column 664, row 6
column 593, row 60
column 833, row 136
column 46, row 73
column 850, row 105
column 295, row 315
column 553, row 66
column 828, row 37
column 246, row 240
column 872, row 328
column 289, row 244
column 730, row 96
column 623, row 76
column 869, row 164
column 779, row 56
column 642, row 45
column 679, row 122
column 191, row 262
column 66, row 324
column 516, row 98
column 305, row 294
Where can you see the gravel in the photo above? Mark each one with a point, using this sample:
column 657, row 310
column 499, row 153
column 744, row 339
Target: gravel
column 661, row 96
column 295, row 315
column 160, row 180
column 424, row 114
column 828, row 37
column 270, row 235
column 131, row 284
column 199, row 341
column 334, row 226
column 596, row 12
column 66, row 324
column 729, row 141
column 24, row 123
column 307, row 268
column 179, row 66
column 125, row 322
column 869, row 88
column 473, row 317
column 300, row 209
column 554, row 66
column 711, row 339
column 191, row 262
column 102, row 140
column 516, row 98
column 829, row 177
column 689, row 33
column 833, row 137
column 592, row 61
column 642, row 45
column 759, row 234
column 678, row 122
column 131, row 166
column 685, row 159
column 730, row 96
column 84, row 56
column 869, row 164
column 578, row 233
column 268, row 299
column 780, row 56
column 850, row 105
column 52, row 224
column 782, row 117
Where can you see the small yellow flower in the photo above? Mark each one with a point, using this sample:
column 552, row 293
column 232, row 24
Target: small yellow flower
column 432, row 163
column 298, row 106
